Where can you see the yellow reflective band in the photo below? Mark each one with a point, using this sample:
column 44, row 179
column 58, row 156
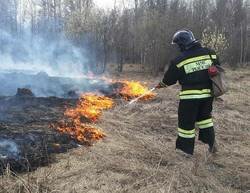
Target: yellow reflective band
column 210, row 120
column 186, row 136
column 195, row 94
column 206, row 125
column 203, row 91
column 201, row 96
column 197, row 66
column 162, row 83
column 186, row 131
column 214, row 56
column 195, row 59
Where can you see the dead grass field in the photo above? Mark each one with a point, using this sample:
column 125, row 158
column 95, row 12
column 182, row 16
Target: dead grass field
column 138, row 154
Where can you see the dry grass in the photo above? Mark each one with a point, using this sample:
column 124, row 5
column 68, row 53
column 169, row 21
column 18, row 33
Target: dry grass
column 138, row 153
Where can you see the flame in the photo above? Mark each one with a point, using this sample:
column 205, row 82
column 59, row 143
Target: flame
column 82, row 132
column 134, row 89
column 89, row 108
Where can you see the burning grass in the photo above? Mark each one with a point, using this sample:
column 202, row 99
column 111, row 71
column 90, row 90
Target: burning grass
column 134, row 89
column 90, row 107
column 82, row 132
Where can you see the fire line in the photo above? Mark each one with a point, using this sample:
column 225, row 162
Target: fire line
column 90, row 107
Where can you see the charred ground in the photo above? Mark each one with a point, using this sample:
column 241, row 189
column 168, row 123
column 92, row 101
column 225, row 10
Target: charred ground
column 138, row 153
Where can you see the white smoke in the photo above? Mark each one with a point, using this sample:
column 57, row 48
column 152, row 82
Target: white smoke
column 8, row 149
column 34, row 54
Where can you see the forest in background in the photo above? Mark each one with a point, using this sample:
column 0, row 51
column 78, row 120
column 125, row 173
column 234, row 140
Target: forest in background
column 140, row 34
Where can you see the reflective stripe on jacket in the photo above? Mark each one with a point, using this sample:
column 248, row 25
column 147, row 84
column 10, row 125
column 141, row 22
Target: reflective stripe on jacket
column 190, row 70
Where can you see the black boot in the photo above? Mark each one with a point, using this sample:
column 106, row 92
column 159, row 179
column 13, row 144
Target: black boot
column 213, row 148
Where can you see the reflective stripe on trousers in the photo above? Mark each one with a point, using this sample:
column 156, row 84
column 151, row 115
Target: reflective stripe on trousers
column 195, row 94
column 205, row 123
column 186, row 133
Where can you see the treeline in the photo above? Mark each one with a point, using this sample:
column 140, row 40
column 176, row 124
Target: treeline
column 140, row 34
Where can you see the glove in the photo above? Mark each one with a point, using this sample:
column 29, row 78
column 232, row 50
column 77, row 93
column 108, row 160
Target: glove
column 160, row 85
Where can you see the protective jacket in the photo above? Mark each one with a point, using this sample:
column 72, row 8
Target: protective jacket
column 190, row 70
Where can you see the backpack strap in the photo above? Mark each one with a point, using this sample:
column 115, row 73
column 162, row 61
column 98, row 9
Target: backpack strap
column 209, row 53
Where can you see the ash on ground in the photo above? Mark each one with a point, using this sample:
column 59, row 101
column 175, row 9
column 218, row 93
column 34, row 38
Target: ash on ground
column 27, row 140
column 27, row 151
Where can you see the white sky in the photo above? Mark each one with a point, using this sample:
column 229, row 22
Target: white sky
column 108, row 4
column 104, row 3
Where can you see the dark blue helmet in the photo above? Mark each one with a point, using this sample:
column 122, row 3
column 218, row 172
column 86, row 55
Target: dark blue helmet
column 184, row 39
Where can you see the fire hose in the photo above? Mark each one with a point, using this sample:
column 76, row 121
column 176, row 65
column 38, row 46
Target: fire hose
column 138, row 98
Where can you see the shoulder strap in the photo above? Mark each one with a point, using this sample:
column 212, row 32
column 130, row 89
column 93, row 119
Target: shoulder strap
column 211, row 58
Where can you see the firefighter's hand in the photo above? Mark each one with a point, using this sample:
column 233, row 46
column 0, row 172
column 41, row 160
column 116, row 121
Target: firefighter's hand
column 160, row 85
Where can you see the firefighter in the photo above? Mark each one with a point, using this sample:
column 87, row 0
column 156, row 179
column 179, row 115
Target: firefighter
column 190, row 69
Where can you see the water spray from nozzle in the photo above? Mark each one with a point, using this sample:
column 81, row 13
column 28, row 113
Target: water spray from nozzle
column 138, row 98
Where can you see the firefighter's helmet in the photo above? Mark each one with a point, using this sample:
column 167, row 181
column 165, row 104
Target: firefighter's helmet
column 184, row 39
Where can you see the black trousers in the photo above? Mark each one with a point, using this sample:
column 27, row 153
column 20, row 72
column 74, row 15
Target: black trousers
column 192, row 113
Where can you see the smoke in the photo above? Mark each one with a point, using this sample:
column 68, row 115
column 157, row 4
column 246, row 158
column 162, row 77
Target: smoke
column 33, row 54
column 9, row 149
column 48, row 66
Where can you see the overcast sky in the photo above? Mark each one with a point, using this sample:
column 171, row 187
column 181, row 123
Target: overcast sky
column 110, row 3
column 104, row 3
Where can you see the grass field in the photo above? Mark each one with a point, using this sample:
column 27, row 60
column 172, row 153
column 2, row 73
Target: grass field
column 138, row 154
